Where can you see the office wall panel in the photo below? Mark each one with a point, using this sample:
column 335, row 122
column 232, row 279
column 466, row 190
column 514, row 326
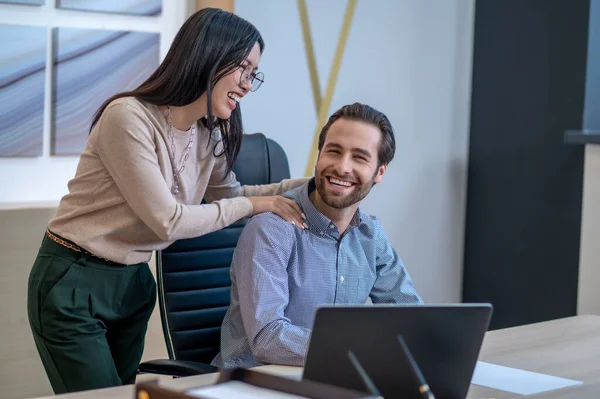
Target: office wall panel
column 524, row 185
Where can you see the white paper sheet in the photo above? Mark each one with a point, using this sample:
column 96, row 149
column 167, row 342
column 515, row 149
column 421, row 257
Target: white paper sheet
column 518, row 381
column 239, row 390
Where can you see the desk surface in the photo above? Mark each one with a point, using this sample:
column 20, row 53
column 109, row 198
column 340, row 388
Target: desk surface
column 568, row 348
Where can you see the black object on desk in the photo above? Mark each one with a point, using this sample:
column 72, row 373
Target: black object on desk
column 423, row 386
column 443, row 339
column 371, row 388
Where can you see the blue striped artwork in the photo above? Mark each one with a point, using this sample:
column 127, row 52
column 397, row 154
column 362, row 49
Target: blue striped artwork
column 26, row 2
column 22, row 80
column 89, row 67
column 133, row 7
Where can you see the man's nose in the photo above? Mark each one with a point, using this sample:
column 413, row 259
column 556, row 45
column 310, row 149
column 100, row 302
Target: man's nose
column 344, row 166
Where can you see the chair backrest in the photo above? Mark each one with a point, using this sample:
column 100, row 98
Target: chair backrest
column 193, row 274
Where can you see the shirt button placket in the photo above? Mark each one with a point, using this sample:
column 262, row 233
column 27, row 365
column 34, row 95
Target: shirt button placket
column 341, row 268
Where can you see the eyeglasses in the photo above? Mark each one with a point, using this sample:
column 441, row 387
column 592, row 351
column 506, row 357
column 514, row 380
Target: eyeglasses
column 248, row 75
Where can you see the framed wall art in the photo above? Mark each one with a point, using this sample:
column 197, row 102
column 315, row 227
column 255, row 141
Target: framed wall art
column 130, row 7
column 89, row 66
column 22, row 88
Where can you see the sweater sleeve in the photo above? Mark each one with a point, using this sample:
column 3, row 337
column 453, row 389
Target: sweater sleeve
column 275, row 188
column 229, row 187
column 125, row 144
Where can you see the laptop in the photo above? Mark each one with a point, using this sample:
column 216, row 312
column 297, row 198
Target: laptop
column 444, row 340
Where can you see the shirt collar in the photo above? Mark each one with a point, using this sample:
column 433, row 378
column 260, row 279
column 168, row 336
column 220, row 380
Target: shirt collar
column 318, row 223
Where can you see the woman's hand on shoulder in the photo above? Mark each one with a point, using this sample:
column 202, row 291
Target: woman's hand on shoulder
column 286, row 208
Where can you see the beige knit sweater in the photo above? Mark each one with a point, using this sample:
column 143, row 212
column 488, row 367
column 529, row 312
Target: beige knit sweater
column 120, row 206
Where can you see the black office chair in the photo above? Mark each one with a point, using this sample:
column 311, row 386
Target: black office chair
column 193, row 274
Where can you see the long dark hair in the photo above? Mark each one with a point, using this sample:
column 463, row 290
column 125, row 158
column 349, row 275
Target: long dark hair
column 209, row 45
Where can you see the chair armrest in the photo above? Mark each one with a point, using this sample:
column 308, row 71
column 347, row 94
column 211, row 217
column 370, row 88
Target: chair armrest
column 177, row 368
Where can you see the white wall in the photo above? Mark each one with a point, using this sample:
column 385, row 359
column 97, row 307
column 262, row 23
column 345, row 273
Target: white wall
column 43, row 181
column 412, row 60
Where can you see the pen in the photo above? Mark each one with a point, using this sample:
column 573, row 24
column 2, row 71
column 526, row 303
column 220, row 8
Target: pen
column 364, row 376
column 423, row 387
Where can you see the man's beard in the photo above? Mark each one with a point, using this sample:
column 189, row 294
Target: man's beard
column 341, row 201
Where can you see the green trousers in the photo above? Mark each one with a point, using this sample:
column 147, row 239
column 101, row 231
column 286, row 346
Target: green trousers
column 88, row 317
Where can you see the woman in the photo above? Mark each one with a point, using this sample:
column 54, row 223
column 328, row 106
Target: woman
column 152, row 156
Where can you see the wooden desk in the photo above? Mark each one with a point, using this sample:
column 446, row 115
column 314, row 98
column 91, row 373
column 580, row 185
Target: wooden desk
column 568, row 348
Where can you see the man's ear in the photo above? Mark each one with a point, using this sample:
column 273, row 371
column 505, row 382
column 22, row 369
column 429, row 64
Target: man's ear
column 379, row 175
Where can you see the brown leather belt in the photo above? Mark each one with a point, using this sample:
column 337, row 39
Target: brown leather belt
column 75, row 247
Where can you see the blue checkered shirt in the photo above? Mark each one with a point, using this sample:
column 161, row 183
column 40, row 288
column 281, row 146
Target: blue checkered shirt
column 280, row 274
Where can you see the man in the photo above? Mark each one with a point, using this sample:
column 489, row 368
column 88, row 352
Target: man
column 280, row 274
